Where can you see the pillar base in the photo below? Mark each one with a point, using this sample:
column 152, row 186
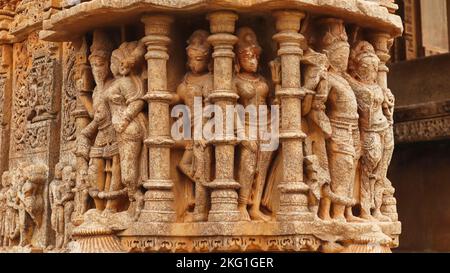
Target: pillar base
column 159, row 200
column 294, row 203
column 224, row 204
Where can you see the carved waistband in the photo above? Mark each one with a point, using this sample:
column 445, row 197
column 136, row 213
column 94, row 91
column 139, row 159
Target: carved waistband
column 105, row 152
column 345, row 123
column 376, row 129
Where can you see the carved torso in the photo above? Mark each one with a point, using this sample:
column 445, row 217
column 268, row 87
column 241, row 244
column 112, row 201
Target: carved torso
column 342, row 104
column 102, row 116
column 195, row 86
column 370, row 99
column 54, row 191
column 252, row 91
column 3, row 200
column 121, row 95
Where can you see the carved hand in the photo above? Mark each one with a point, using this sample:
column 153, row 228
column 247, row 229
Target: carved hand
column 101, row 195
column 122, row 125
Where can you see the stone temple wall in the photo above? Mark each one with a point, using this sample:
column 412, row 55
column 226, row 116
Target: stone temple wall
column 88, row 156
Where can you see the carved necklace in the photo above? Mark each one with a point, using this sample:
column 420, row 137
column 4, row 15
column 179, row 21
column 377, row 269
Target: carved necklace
column 244, row 78
column 189, row 81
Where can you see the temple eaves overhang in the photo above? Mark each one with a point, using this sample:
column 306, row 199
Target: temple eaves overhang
column 67, row 24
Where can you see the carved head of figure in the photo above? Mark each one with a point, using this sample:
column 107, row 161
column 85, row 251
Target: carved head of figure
column 334, row 43
column 68, row 176
column 58, row 170
column 248, row 50
column 364, row 62
column 198, row 52
column 19, row 179
column 6, row 177
column 128, row 57
column 100, row 55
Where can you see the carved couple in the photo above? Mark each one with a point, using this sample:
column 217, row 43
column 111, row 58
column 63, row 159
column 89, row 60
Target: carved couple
column 253, row 90
column 350, row 142
column 111, row 146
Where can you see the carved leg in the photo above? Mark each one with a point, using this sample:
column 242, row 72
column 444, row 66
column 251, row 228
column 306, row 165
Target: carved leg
column 59, row 227
column 355, row 175
column 261, row 177
column 112, row 205
column 324, row 208
column 129, row 166
column 389, row 203
column 26, row 228
column 68, row 210
column 96, row 171
column 340, row 166
column 246, row 174
column 2, row 229
column 185, row 167
column 7, row 229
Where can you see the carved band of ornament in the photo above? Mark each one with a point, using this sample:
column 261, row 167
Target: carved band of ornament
column 422, row 111
column 81, row 232
column 225, row 140
column 224, row 183
column 222, row 40
column 156, row 40
column 293, row 187
column 291, row 93
column 289, row 38
column 158, row 184
column 290, row 49
column 292, row 135
column 223, row 51
column 208, row 244
column 159, row 142
column 159, row 96
column 423, row 130
column 223, row 95
column 155, row 53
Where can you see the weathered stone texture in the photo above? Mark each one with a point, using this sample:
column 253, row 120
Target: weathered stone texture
column 88, row 154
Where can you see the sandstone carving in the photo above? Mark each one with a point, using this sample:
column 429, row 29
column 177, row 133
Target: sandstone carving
column 282, row 143
column 196, row 160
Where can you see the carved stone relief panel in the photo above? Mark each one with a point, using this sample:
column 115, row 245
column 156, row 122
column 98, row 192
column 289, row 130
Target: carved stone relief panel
column 92, row 112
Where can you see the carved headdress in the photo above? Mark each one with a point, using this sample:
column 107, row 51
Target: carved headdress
column 332, row 35
column 101, row 46
column 361, row 50
column 129, row 55
column 198, row 43
column 247, row 40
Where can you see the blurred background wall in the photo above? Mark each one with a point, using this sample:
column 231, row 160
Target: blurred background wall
column 420, row 169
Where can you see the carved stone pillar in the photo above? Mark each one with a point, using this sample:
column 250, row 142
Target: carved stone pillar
column 159, row 197
column 382, row 43
column 224, row 196
column 5, row 103
column 293, row 199
column 84, row 85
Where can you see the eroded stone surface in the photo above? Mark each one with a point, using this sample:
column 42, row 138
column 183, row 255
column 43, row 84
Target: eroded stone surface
column 89, row 162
